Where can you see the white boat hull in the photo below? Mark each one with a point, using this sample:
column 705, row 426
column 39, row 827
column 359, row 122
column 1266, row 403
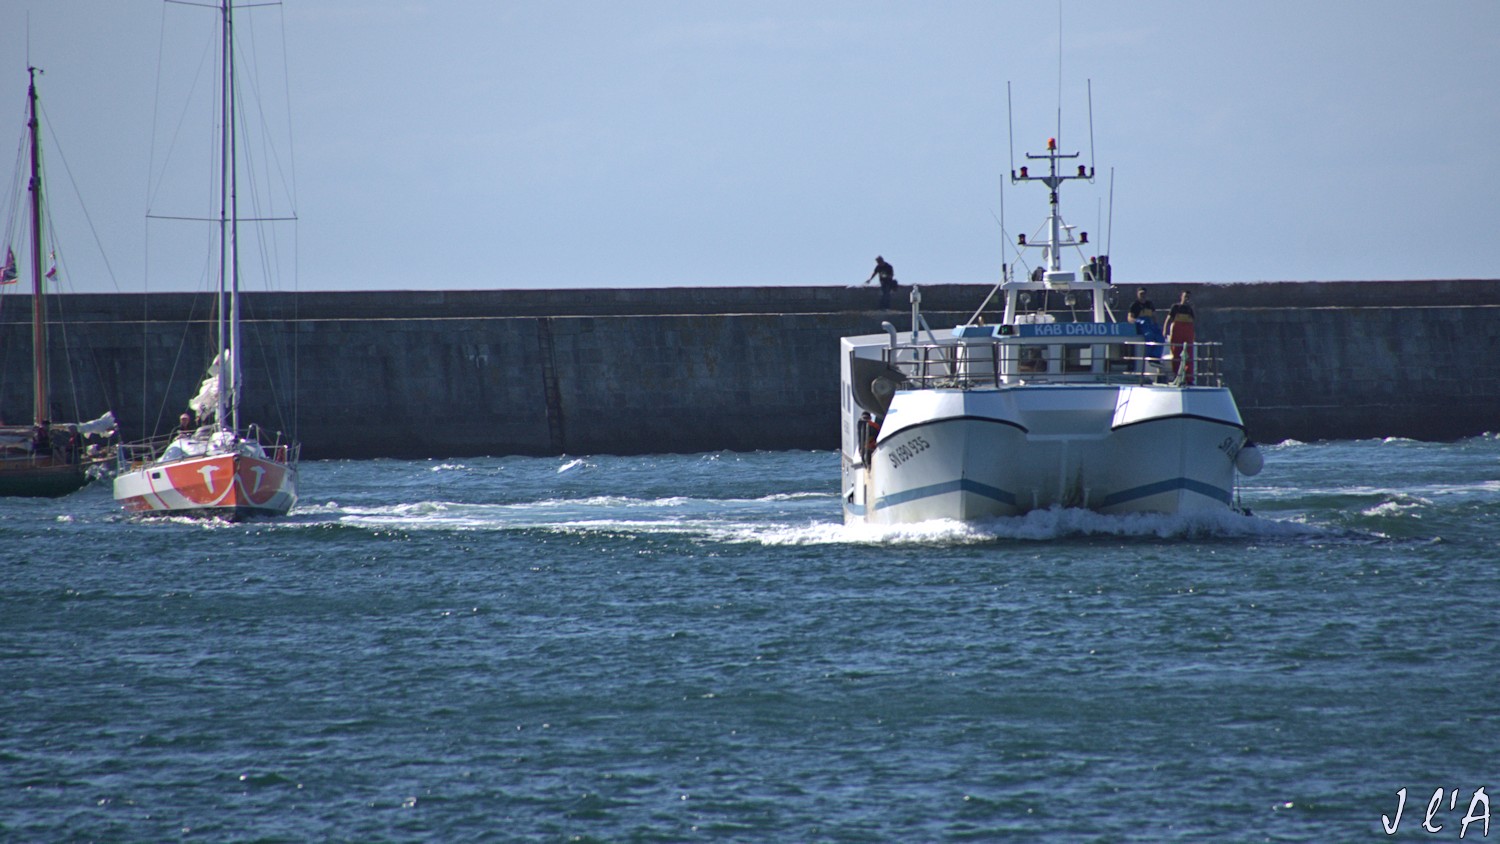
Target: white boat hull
column 227, row 485
column 967, row 455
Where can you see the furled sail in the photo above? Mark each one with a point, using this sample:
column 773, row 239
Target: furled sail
column 206, row 403
column 103, row 426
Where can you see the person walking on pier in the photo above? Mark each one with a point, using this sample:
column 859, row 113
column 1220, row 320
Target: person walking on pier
column 1180, row 333
column 887, row 275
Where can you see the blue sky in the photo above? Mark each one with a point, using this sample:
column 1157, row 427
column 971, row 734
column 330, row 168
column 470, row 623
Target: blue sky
column 457, row 144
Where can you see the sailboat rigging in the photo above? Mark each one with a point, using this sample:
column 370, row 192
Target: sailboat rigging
column 213, row 465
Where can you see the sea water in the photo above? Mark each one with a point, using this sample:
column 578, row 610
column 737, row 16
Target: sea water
column 686, row 648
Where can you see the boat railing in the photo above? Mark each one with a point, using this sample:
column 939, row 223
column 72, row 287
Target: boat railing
column 277, row 450
column 135, row 455
column 970, row 365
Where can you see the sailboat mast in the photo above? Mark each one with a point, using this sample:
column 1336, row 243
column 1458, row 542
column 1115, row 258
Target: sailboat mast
column 41, row 413
column 234, row 230
column 226, row 133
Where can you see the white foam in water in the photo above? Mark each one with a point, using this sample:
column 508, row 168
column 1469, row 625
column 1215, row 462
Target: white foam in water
column 583, row 514
column 1039, row 525
column 684, row 527
column 939, row 532
column 1398, row 504
column 796, row 496
column 683, row 516
column 1392, row 508
column 598, row 501
column 747, row 520
column 572, row 464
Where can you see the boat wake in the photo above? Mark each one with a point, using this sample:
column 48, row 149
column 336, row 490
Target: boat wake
column 1046, row 526
column 792, row 519
column 709, row 518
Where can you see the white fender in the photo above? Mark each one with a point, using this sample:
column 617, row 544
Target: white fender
column 1249, row 461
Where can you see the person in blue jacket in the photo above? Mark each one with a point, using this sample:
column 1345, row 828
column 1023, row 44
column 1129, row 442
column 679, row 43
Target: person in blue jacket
column 1143, row 314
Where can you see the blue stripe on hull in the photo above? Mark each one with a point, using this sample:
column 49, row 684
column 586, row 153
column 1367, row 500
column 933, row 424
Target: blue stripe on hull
column 960, row 485
column 1115, row 499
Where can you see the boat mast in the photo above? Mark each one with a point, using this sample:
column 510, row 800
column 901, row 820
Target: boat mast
column 1059, row 234
column 40, row 409
column 1054, row 218
column 234, row 225
column 1053, row 180
column 227, row 409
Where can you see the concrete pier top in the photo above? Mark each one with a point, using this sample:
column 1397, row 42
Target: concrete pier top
column 664, row 301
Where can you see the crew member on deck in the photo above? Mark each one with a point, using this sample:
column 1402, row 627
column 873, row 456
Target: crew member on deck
column 1143, row 314
column 1180, row 334
column 1141, row 308
column 185, row 426
column 869, row 431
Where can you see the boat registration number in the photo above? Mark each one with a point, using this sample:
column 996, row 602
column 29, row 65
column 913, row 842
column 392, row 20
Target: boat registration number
column 907, row 450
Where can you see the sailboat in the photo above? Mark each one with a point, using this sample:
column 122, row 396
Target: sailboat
column 213, row 465
column 45, row 458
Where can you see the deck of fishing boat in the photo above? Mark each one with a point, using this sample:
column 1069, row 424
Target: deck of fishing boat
column 978, row 362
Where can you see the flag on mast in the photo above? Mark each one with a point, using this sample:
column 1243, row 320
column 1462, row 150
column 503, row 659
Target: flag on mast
column 52, row 270
column 8, row 273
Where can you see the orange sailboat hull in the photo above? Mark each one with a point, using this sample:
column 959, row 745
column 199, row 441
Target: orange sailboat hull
column 229, row 486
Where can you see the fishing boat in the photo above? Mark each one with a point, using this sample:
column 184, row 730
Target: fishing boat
column 1055, row 402
column 212, row 465
column 45, row 458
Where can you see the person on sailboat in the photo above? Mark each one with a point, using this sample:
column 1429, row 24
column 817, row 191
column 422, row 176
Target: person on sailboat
column 185, row 425
column 1180, row 333
column 887, row 275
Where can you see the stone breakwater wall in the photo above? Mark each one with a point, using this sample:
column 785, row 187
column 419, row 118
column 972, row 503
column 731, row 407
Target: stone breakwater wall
column 461, row 373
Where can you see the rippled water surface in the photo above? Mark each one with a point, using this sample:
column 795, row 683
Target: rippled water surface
column 681, row 648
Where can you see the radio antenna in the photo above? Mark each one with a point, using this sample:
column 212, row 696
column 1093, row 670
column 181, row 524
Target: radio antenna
column 1005, row 244
column 1010, row 127
column 1091, row 126
column 1109, row 233
column 1059, row 72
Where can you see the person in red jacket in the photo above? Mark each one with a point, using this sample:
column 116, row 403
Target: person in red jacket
column 1180, row 333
